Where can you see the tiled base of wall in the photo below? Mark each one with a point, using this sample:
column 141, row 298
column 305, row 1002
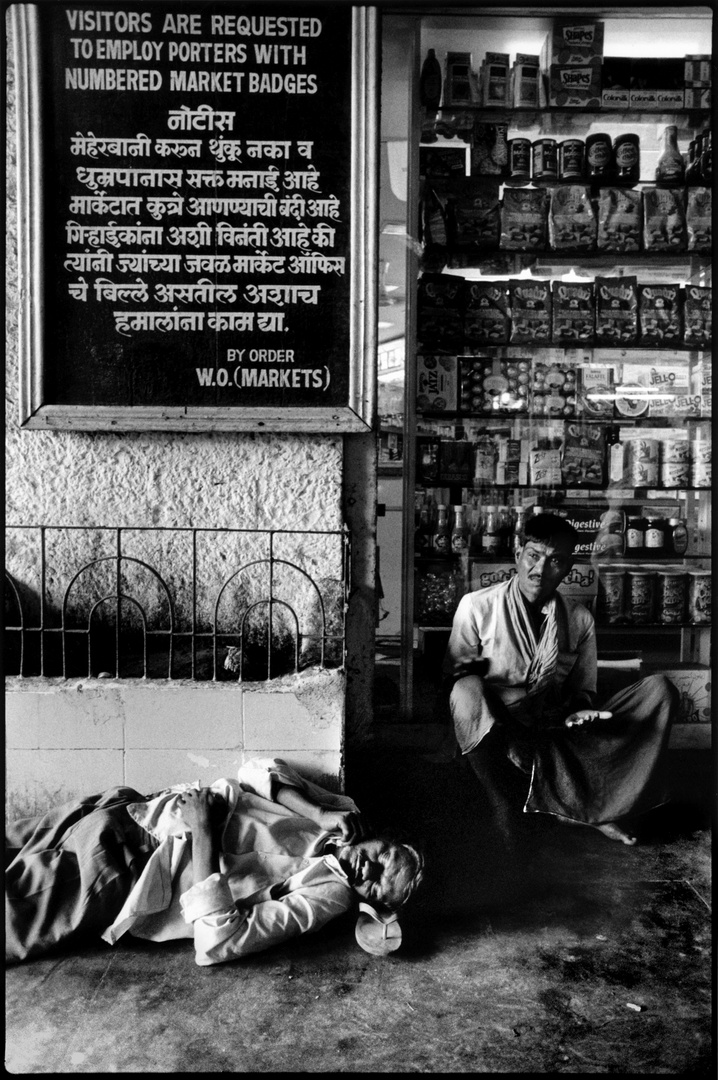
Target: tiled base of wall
column 68, row 738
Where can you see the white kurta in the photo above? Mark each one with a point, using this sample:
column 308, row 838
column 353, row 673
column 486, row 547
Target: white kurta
column 276, row 879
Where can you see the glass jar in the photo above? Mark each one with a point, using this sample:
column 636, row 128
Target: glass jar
column 626, row 159
column 635, row 536
column 655, row 535
column 676, row 536
column 599, row 156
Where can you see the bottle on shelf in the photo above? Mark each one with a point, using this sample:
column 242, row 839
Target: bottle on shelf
column 692, row 165
column 519, row 521
column 706, row 159
column 671, row 168
column 676, row 536
column 425, row 529
column 491, row 532
column 614, row 455
column 459, row 539
column 442, row 536
column 430, row 82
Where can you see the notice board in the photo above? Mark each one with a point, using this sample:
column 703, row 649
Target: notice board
column 197, row 223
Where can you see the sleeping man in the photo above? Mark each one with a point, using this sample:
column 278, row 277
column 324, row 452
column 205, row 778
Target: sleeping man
column 237, row 867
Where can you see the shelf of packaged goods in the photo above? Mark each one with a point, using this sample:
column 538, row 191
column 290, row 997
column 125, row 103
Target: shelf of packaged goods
column 579, row 260
column 636, row 421
column 504, row 113
column 630, row 561
column 585, row 493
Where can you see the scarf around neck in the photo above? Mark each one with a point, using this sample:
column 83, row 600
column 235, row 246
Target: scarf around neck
column 540, row 651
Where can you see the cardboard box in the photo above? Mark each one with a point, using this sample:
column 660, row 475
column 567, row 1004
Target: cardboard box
column 697, row 98
column 574, row 87
column 573, row 40
column 616, row 82
column 657, row 100
column 693, row 682
column 697, row 70
column 437, row 384
column 657, row 83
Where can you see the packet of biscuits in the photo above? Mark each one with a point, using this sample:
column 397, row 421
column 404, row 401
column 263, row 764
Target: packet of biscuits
column 524, row 219
column 620, row 219
column 486, row 313
column 530, row 308
column 573, row 313
column 698, row 316
column 571, row 222
column 699, row 209
column 660, row 315
column 616, row 311
column 664, row 220
column 474, row 216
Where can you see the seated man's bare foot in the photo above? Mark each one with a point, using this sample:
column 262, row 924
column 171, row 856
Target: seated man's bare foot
column 614, row 833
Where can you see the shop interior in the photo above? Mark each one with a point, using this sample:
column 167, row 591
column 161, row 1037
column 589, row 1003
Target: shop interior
column 430, row 158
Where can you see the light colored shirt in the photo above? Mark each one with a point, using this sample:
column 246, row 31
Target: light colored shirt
column 278, row 877
column 482, row 630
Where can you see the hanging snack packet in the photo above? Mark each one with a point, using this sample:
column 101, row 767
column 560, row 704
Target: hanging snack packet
column 698, row 316
column 620, row 219
column 583, row 455
column 486, row 313
column 573, row 313
column 440, row 319
column 530, row 305
column 664, row 220
column 524, row 219
column 616, row 311
column 474, row 216
column 571, row 223
column 660, row 315
column 699, row 208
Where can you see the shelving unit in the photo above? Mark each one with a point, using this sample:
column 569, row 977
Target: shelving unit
column 425, row 616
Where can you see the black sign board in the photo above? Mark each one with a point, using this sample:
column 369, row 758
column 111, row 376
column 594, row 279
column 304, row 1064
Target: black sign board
column 202, row 221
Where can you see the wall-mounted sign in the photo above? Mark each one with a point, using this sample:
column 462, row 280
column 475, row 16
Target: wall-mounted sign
column 196, row 215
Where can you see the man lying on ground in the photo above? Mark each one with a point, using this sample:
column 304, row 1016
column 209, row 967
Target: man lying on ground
column 237, row 867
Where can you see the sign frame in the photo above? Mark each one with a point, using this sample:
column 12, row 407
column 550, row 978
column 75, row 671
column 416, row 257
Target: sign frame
column 356, row 414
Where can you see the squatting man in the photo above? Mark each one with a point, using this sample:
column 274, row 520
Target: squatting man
column 237, row 867
column 523, row 665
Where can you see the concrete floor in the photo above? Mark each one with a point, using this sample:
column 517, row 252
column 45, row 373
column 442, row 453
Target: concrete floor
column 589, row 958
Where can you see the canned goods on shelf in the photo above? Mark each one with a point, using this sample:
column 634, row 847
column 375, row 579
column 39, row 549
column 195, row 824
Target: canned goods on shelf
column 544, row 154
column 641, row 595
column 520, row 160
column 571, row 153
column 611, row 594
column 676, row 474
column 700, row 587
column 675, row 450
column 671, row 595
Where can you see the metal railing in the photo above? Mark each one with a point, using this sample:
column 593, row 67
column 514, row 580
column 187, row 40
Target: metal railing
column 224, row 603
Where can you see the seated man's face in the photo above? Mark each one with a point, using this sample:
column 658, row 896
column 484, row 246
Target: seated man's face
column 378, row 870
column 541, row 566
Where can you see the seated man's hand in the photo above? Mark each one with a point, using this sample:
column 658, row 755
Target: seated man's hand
column 586, row 716
column 349, row 824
